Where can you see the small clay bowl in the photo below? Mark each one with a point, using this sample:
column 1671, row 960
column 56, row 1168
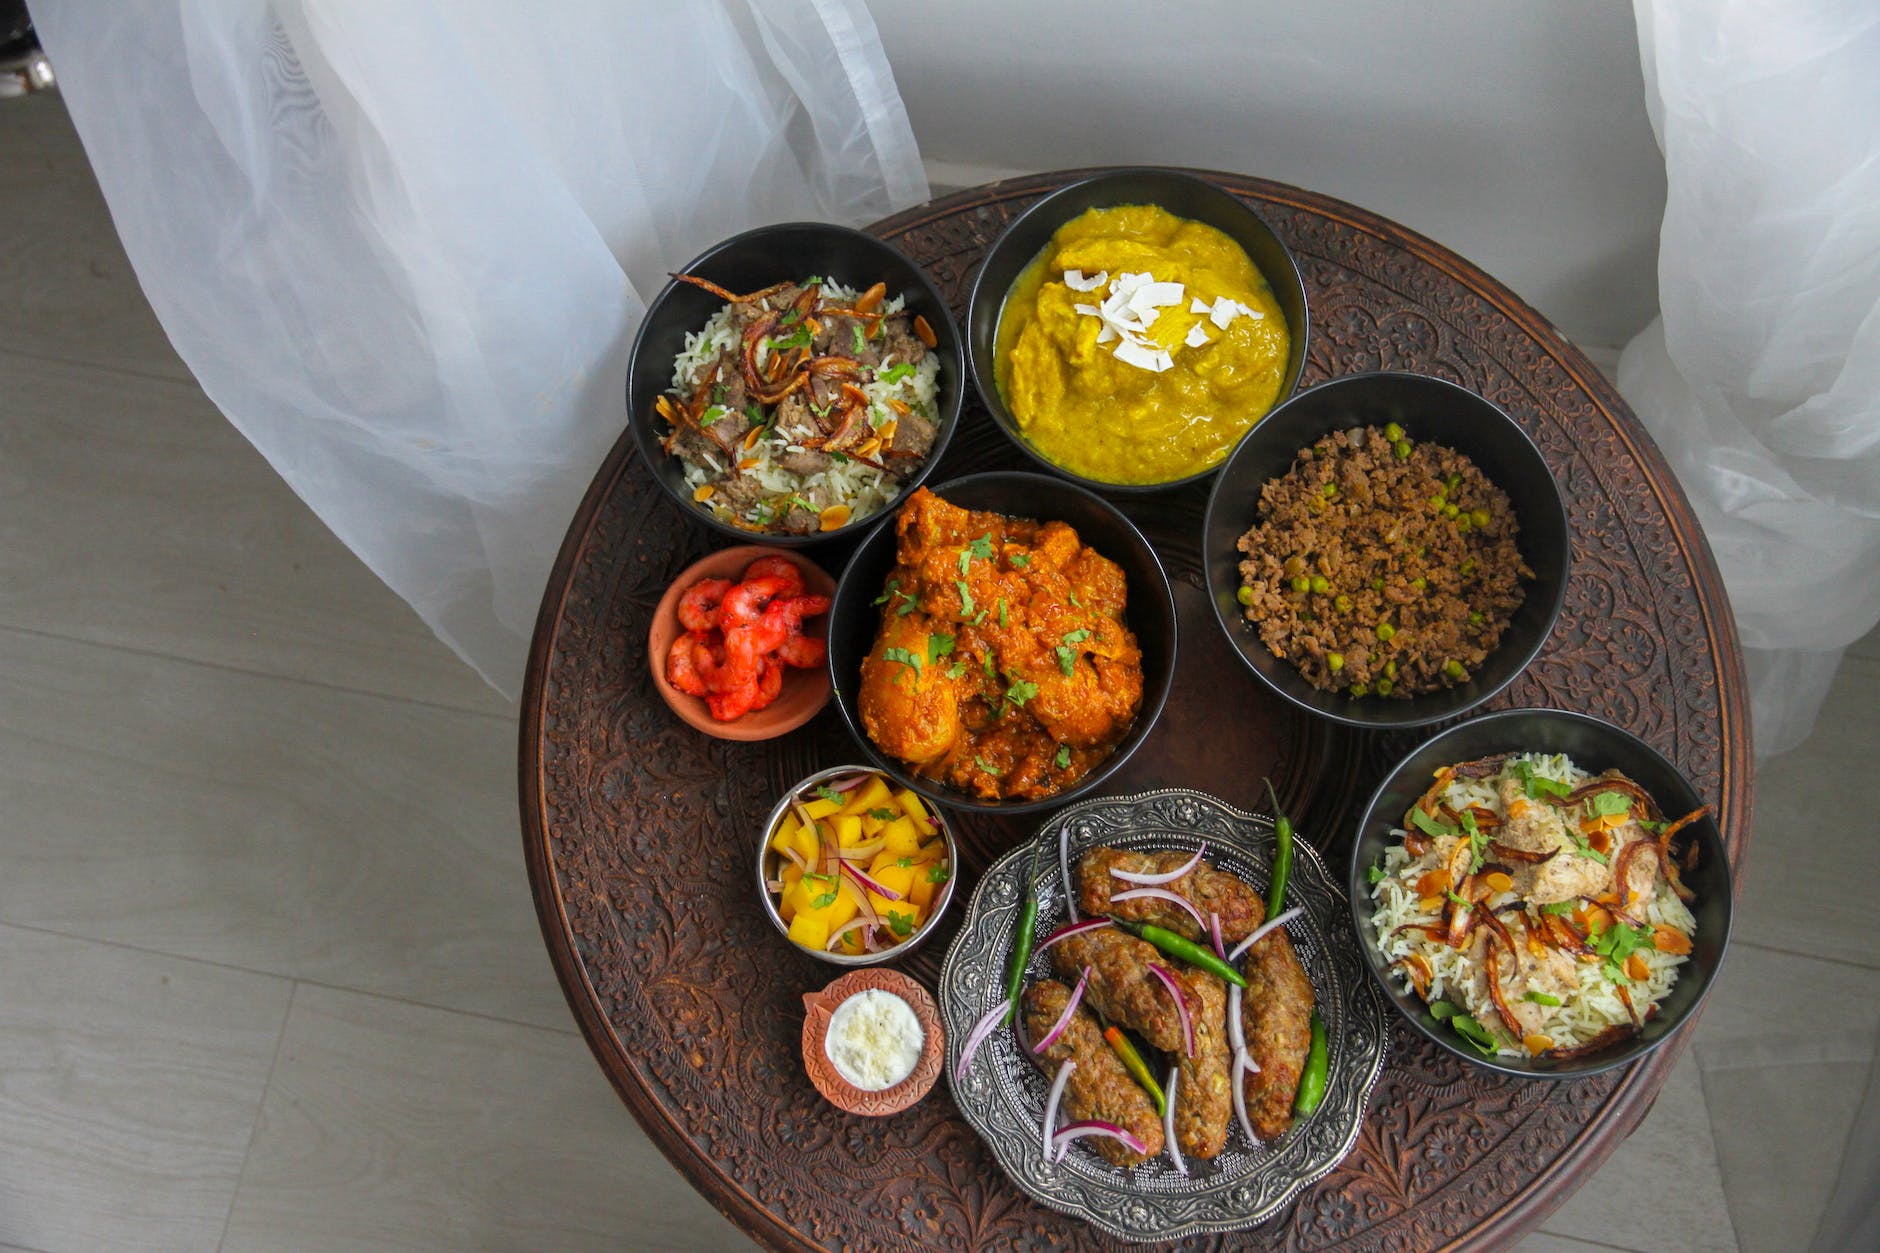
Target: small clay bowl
column 805, row 692
column 819, row 1007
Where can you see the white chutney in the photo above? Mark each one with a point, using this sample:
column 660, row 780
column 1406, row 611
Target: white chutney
column 874, row 1040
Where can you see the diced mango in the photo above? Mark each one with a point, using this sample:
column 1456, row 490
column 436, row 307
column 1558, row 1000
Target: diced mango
column 931, row 851
column 923, row 891
column 785, row 832
column 897, row 877
column 892, row 912
column 791, row 875
column 848, row 830
column 871, row 827
column 821, row 808
column 810, row 929
column 911, row 806
column 902, row 839
column 873, row 794
column 809, row 843
column 885, row 857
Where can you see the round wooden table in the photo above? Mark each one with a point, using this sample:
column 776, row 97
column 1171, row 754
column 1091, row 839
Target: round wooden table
column 640, row 831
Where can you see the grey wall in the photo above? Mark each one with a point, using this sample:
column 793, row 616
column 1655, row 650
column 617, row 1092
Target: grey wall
column 1513, row 132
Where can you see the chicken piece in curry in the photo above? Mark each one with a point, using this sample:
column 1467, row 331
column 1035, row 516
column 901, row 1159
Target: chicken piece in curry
column 1002, row 668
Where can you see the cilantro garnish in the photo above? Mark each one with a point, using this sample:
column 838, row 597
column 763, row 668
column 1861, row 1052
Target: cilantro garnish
column 887, row 593
column 987, row 766
column 1478, row 841
column 714, row 414
column 1618, row 942
column 883, row 815
column 1586, row 849
column 1558, row 908
column 909, row 607
column 1002, row 622
column 957, row 669
column 938, row 646
column 1428, row 825
column 1537, row 786
column 901, row 924
column 1074, row 600
column 861, row 338
column 829, row 794
column 1374, row 874
column 1475, row 1033
column 1020, row 560
column 1063, row 757
column 966, row 597
column 909, row 659
column 987, row 659
column 981, row 547
column 1606, row 804
column 895, row 373
column 904, row 862
column 938, row 873
column 1540, row 998
column 824, row 901
column 1020, row 692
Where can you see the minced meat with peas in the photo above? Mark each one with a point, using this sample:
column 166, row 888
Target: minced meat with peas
column 1382, row 566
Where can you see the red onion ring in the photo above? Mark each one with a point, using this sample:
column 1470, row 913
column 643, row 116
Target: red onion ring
column 847, row 783
column 879, row 889
column 851, row 925
column 1139, row 876
column 861, row 899
column 1236, row 1033
column 1064, row 1019
column 1070, row 929
column 1181, row 1005
column 1162, row 894
column 1064, row 864
column 1095, row 1127
column 1051, row 1104
column 862, row 852
column 1214, row 933
column 1240, row 1098
column 796, row 857
column 1260, row 933
column 1168, row 1124
column 981, row 1030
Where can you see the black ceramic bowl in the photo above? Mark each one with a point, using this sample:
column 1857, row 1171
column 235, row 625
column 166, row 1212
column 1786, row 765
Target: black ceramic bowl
column 1428, row 409
column 1183, row 195
column 753, row 260
column 1594, row 746
column 854, row 618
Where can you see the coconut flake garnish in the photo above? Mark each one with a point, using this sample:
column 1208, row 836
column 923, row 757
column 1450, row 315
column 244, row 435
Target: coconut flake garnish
column 1131, row 306
column 1197, row 335
column 1075, row 280
column 1144, row 357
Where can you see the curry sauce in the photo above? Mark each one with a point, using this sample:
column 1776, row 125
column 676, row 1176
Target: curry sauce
column 1002, row 667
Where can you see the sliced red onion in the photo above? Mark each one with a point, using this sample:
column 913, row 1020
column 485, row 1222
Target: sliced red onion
column 1070, row 929
column 796, row 857
column 879, row 889
column 981, row 1030
column 1244, row 1060
column 1051, row 1104
column 1064, row 1019
column 848, row 783
column 1236, row 1033
column 773, row 885
column 1214, row 933
column 871, row 940
column 1162, row 894
column 1093, row 1127
column 852, row 924
column 1064, row 864
column 1181, row 1005
column 1168, row 1124
column 862, row 852
column 1240, row 1100
column 861, row 898
column 1271, row 924
column 1141, row 876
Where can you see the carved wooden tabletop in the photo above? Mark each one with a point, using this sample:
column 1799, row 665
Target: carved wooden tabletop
column 640, row 831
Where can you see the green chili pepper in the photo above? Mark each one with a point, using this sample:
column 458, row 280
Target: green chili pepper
column 1182, row 948
column 1021, row 943
column 1137, row 1068
column 1282, row 855
column 1312, row 1078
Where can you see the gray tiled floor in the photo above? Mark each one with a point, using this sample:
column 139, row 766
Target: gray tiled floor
column 271, row 978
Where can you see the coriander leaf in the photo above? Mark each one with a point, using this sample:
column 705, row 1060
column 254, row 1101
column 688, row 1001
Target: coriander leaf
column 829, row 794
column 820, row 876
column 966, row 597
column 861, row 339
column 987, row 766
column 990, row 672
column 1442, row 1011
column 1559, row 908
column 1074, row 600
column 966, row 559
column 813, row 281
column 886, row 593
column 883, row 815
column 895, row 373
column 1473, row 1031
column 839, row 457
column 713, row 414
column 1063, row 757
column 1067, row 660
column 901, row 924
column 1586, row 849
column 938, row 873
column 957, row 669
column 1002, row 622
column 790, row 316
column 1020, row 560
column 938, row 646
column 979, row 617
column 1374, row 874
column 908, row 608
column 1606, row 804
column 909, row 659
column 981, row 547
column 1539, row 998
column 1537, row 786
column 1020, row 692
column 1428, row 825
column 1076, row 637
column 1456, row 899
column 824, row 901
column 904, row 862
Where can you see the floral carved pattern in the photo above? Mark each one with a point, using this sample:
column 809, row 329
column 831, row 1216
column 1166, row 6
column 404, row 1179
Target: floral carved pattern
column 640, row 832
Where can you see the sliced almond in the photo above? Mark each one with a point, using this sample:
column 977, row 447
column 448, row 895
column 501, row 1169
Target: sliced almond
column 749, row 463
column 703, row 492
column 834, row 518
column 869, row 447
column 872, row 297
column 899, row 408
column 1536, row 1043
column 1498, row 882
column 925, row 332
column 752, row 436
column 887, row 430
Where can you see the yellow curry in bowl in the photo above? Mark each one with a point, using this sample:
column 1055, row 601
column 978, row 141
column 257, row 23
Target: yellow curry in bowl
column 1138, row 347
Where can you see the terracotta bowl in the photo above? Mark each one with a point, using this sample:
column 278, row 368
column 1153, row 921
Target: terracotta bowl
column 817, row 1009
column 805, row 692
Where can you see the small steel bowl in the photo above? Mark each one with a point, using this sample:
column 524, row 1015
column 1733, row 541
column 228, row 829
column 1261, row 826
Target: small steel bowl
column 767, row 861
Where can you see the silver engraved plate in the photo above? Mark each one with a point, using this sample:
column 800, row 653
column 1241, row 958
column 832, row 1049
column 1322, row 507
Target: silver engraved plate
column 1003, row 1093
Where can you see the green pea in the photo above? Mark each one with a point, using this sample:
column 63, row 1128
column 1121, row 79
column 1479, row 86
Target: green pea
column 1393, row 432
column 1321, row 584
column 1463, row 525
column 1475, row 619
column 1455, row 481
column 1343, row 603
column 1438, row 500
column 1302, row 584
column 1377, row 585
column 1450, row 511
column 1244, row 596
column 1402, row 449
column 1383, row 687
column 1384, row 632
column 1468, row 565
column 1423, row 550
column 1390, row 669
column 1453, row 668
column 1420, row 583
column 1294, row 567
column 1330, row 490
column 1360, row 689
column 1479, row 516
column 1336, row 661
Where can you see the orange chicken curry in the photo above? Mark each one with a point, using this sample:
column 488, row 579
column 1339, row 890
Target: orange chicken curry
column 1002, row 667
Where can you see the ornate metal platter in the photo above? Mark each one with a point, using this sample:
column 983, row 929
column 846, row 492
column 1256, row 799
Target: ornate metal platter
column 1002, row 1094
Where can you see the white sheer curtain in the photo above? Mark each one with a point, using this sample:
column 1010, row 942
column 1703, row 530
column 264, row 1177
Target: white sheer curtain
column 403, row 246
column 1761, row 379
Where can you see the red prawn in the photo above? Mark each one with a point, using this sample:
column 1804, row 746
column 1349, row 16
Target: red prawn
column 776, row 568
column 744, row 604
column 698, row 608
column 799, row 650
column 683, row 668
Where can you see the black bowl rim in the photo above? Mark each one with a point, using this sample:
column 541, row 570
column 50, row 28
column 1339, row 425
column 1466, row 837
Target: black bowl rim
column 1407, row 721
column 989, row 389
column 1146, row 717
column 950, row 408
column 1359, row 896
